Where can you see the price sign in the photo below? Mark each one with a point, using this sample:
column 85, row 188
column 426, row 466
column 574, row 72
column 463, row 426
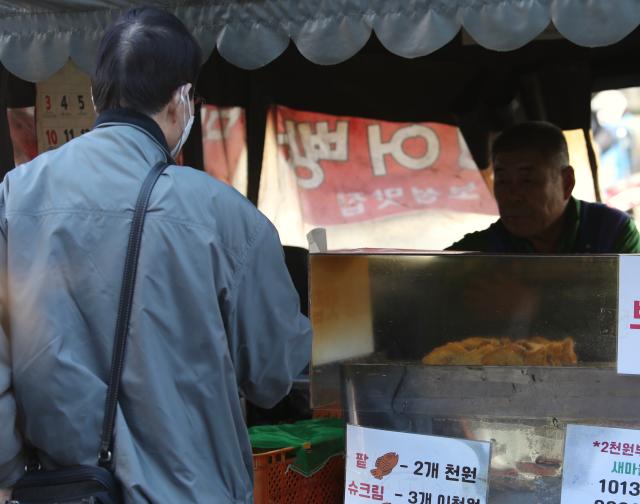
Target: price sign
column 63, row 107
column 629, row 314
column 396, row 467
column 601, row 466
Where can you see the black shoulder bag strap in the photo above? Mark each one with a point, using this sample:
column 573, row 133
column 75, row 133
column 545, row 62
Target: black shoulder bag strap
column 124, row 315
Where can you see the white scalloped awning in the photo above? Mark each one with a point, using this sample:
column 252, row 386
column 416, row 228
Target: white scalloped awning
column 38, row 36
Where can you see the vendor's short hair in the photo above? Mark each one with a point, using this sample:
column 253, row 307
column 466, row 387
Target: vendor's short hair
column 540, row 136
column 143, row 58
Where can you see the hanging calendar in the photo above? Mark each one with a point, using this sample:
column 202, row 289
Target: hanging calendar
column 64, row 109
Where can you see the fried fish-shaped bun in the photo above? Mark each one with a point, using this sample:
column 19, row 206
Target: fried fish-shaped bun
column 384, row 465
column 474, row 351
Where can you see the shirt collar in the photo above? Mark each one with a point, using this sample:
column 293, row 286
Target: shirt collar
column 137, row 119
column 571, row 225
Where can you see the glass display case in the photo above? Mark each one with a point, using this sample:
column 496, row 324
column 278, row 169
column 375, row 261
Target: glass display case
column 507, row 349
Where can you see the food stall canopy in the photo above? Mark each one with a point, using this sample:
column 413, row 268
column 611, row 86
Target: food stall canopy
column 38, row 36
column 475, row 64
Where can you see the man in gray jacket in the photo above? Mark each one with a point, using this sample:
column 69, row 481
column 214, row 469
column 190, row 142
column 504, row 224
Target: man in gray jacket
column 214, row 313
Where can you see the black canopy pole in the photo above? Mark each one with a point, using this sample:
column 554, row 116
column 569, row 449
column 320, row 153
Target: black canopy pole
column 593, row 162
column 256, row 126
column 6, row 147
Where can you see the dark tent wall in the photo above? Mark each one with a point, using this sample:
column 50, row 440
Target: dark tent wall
column 477, row 89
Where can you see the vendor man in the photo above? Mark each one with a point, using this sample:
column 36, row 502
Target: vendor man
column 533, row 181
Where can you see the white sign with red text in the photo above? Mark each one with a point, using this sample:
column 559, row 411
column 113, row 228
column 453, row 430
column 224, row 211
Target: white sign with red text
column 629, row 314
column 397, row 467
column 601, row 466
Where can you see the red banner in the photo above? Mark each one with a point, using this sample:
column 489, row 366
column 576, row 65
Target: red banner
column 22, row 128
column 223, row 141
column 351, row 169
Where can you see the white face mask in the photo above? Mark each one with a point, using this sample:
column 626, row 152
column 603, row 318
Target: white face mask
column 188, row 121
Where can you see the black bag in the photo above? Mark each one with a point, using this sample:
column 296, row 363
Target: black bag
column 95, row 484
column 70, row 485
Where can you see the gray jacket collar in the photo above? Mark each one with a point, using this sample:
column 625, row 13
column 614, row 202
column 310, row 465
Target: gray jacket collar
column 140, row 121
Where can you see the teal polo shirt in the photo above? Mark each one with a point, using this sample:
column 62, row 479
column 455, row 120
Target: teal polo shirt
column 578, row 227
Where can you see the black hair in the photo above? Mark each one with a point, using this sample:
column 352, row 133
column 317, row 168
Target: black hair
column 540, row 136
column 143, row 58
